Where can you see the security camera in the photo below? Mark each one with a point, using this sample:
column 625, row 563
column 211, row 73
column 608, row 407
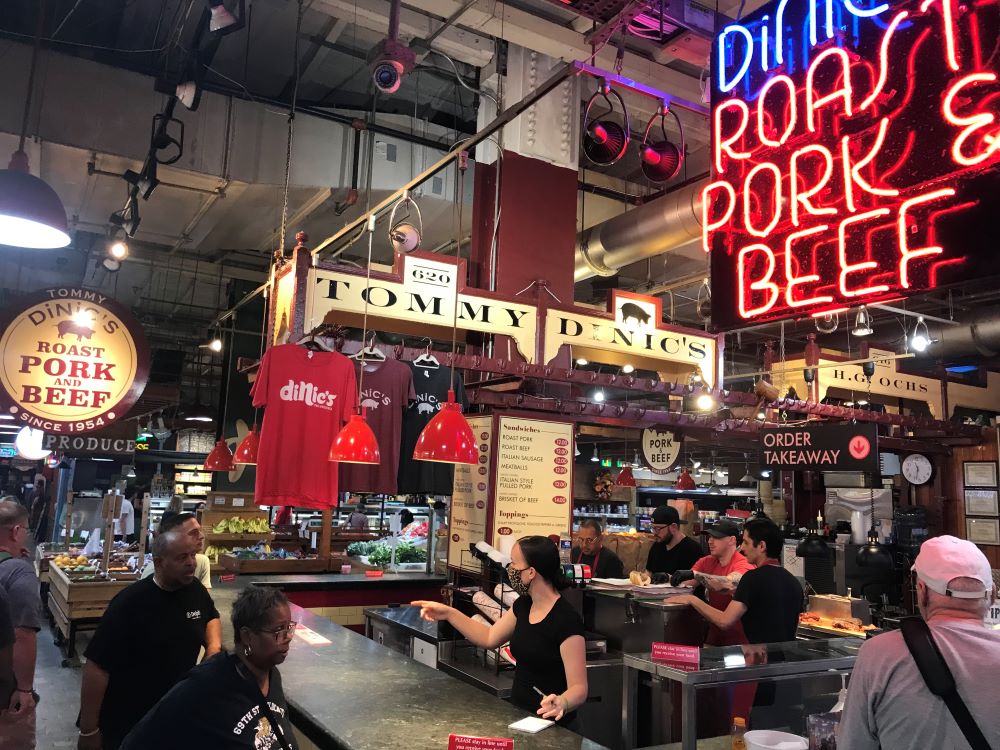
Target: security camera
column 390, row 60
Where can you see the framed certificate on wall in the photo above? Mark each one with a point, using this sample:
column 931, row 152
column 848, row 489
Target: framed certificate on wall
column 981, row 503
column 983, row 530
column 979, row 473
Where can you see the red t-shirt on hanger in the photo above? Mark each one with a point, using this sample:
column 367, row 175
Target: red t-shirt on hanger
column 308, row 396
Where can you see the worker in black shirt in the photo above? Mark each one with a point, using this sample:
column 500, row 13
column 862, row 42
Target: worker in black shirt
column 591, row 551
column 672, row 550
column 767, row 599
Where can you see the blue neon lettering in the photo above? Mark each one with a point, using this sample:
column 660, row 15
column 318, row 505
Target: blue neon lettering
column 725, row 86
column 854, row 10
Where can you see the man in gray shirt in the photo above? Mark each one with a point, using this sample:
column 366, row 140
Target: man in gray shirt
column 888, row 703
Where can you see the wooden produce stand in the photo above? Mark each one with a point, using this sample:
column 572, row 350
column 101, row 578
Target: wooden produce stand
column 77, row 601
column 221, row 506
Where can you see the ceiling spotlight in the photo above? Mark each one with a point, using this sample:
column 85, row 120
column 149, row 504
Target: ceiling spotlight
column 863, row 402
column 118, row 250
column 765, row 473
column 921, row 338
column 695, row 464
column 215, row 344
column 660, row 159
column 761, row 415
column 863, row 323
column 828, row 323
column 605, row 141
column 628, row 369
column 705, row 402
column 595, row 458
column 581, row 362
column 599, row 396
column 188, row 94
column 696, row 377
column 145, row 182
column 111, row 265
column 849, row 404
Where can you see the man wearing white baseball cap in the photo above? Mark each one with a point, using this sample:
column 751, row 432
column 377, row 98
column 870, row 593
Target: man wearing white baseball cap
column 889, row 704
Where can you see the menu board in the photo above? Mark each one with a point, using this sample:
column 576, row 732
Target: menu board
column 467, row 523
column 534, row 480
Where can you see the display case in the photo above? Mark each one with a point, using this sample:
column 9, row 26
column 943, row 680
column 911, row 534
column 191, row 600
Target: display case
column 192, row 481
column 786, row 682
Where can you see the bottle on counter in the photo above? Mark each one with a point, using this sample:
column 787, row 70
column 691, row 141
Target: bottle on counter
column 738, row 732
column 565, row 548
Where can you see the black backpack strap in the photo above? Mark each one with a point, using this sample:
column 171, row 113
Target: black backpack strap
column 934, row 669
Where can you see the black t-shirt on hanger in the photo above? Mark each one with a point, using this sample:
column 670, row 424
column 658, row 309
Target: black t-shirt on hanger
column 427, row 477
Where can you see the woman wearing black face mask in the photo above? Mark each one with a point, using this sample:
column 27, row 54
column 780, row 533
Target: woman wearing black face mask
column 545, row 633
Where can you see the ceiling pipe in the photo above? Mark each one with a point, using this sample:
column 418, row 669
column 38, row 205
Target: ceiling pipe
column 972, row 337
column 653, row 228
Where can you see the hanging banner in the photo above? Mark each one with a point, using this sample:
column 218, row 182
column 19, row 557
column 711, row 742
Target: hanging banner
column 854, row 155
column 534, row 480
column 660, row 449
column 467, row 519
column 71, row 360
column 824, row 447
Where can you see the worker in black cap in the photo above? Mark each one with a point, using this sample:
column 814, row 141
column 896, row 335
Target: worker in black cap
column 721, row 570
column 672, row 550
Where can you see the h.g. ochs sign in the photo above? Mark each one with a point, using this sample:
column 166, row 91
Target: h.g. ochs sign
column 71, row 360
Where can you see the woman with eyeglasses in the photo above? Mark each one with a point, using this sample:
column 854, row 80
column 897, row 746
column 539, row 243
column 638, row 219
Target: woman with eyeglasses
column 545, row 633
column 221, row 704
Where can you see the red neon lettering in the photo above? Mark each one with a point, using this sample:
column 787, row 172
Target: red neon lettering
column 951, row 49
column 793, row 280
column 792, row 111
column 813, row 103
column 762, row 284
column 801, row 197
column 706, row 206
column 883, row 61
column 973, row 123
column 906, row 253
column 846, row 269
column 723, row 143
column 852, row 174
column 775, row 203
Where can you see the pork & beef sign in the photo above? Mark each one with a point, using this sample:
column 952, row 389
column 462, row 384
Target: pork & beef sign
column 71, row 360
column 826, row 447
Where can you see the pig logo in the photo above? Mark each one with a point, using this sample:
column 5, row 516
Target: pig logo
column 425, row 408
column 631, row 311
column 372, row 398
column 72, row 327
column 427, row 403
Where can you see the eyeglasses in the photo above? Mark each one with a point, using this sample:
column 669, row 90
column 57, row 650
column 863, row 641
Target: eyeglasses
column 657, row 527
column 586, row 540
column 288, row 631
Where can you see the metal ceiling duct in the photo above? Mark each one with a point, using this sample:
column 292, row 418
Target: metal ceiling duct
column 976, row 337
column 653, row 228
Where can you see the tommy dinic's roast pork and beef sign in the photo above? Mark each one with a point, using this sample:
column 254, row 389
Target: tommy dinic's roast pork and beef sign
column 71, row 360
column 825, row 447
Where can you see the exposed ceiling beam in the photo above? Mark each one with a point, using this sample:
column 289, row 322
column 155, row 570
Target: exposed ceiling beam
column 316, row 200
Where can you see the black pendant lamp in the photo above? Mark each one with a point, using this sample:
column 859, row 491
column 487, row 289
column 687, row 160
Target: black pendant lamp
column 605, row 141
column 813, row 546
column 873, row 554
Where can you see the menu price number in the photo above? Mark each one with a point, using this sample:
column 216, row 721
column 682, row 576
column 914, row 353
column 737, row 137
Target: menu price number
column 466, row 742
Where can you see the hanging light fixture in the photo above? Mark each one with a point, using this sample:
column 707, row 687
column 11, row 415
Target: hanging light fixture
column 813, row 546
column 221, row 457
column 130, row 472
column 684, row 480
column 863, row 323
column 246, row 451
column 921, row 338
column 747, row 477
column 595, row 458
column 636, row 463
column 605, row 141
column 448, row 437
column 31, row 214
column 660, row 159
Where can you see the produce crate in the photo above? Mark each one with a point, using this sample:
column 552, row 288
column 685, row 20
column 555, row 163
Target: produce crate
column 79, row 600
column 239, row 566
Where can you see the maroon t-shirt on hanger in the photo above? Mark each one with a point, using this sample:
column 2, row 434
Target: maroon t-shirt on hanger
column 386, row 391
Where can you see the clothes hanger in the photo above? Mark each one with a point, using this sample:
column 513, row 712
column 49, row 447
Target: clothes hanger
column 427, row 359
column 369, row 353
column 311, row 342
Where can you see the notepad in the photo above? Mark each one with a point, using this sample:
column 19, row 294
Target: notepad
column 531, row 724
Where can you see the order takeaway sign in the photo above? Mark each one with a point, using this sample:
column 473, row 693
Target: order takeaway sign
column 71, row 360
column 825, row 447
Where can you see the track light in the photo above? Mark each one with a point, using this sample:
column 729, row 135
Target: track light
column 628, row 369
column 863, row 323
column 921, row 338
column 144, row 182
column 128, row 218
column 605, row 141
column 761, row 415
column 705, row 402
column 581, row 362
column 118, row 249
column 599, row 396
column 111, row 265
column 660, row 159
column 215, row 344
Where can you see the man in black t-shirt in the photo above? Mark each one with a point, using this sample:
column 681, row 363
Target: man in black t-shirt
column 591, row 551
column 767, row 600
column 147, row 640
column 672, row 550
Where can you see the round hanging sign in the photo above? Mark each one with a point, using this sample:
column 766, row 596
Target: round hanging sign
column 660, row 449
column 71, row 360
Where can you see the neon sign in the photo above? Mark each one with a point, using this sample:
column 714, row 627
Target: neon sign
column 856, row 154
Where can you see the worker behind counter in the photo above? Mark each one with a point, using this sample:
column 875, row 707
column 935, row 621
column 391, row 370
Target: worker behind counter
column 726, row 562
column 591, row 551
column 672, row 550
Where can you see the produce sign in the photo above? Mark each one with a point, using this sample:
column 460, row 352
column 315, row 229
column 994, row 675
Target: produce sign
column 833, row 447
column 855, row 154
column 71, row 361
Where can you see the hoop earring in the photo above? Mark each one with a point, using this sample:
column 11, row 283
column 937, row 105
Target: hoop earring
column 247, row 651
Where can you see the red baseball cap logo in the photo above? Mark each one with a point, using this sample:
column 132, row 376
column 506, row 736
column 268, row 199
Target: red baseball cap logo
column 859, row 447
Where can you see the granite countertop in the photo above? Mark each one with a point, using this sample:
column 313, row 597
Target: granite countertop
column 353, row 694
column 351, row 580
column 408, row 619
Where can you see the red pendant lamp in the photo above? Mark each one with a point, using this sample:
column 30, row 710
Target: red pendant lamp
column 221, row 458
column 246, row 451
column 448, row 437
column 685, row 481
column 356, row 443
column 625, row 477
